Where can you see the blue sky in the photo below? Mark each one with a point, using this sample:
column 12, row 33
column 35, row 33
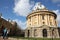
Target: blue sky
column 17, row 10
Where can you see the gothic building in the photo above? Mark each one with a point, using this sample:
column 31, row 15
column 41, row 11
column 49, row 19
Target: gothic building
column 41, row 22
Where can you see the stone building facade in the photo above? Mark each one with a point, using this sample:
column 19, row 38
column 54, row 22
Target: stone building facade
column 12, row 26
column 41, row 22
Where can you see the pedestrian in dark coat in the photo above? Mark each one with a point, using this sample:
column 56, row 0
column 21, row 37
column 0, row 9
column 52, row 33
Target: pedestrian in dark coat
column 4, row 32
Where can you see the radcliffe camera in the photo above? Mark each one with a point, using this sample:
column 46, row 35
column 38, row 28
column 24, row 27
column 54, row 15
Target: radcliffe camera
column 29, row 20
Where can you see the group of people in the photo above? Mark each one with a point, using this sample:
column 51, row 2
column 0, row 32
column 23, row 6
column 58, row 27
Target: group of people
column 5, row 33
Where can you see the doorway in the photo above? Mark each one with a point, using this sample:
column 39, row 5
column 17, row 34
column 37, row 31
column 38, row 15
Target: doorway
column 44, row 33
column 28, row 33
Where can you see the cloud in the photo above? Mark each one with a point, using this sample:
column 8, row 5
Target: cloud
column 20, row 23
column 58, row 16
column 23, row 7
column 55, row 1
column 58, row 5
column 57, row 11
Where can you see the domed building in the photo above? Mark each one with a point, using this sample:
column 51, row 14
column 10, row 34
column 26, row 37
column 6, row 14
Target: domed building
column 41, row 22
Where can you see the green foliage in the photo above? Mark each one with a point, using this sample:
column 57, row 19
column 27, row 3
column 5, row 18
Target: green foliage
column 36, row 38
column 43, row 38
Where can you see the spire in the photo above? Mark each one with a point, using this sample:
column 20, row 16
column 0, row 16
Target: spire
column 38, row 6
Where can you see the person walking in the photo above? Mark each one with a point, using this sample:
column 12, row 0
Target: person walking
column 4, row 33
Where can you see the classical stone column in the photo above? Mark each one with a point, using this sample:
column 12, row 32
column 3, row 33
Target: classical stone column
column 26, row 33
column 40, row 33
column 41, row 19
column 49, row 33
column 38, row 19
column 56, row 32
column 32, row 34
column 48, row 20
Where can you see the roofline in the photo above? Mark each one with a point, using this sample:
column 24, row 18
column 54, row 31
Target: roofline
column 43, row 11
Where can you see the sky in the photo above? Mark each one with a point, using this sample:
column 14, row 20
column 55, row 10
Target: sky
column 17, row 10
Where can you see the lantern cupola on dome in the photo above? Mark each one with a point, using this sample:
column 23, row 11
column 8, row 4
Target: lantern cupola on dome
column 39, row 6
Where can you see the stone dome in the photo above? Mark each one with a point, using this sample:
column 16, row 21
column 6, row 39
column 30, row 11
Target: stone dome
column 38, row 6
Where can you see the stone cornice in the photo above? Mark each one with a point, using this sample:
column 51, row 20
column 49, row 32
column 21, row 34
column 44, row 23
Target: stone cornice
column 39, row 12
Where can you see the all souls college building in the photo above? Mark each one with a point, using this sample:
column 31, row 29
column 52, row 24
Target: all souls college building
column 41, row 22
column 10, row 25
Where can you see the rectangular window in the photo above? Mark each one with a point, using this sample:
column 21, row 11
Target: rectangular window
column 30, row 19
column 55, row 23
column 50, row 23
column 43, row 17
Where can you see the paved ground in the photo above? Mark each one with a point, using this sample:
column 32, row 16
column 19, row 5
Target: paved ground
column 1, row 38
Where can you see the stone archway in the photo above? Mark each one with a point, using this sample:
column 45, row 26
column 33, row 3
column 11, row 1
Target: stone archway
column 28, row 33
column 44, row 33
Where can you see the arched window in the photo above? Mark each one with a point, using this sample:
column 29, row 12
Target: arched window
column 44, row 33
column 35, row 30
column 28, row 33
column 30, row 19
column 51, row 23
column 55, row 23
